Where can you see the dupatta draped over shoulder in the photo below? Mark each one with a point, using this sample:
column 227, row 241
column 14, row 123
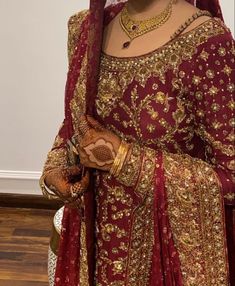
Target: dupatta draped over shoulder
column 166, row 223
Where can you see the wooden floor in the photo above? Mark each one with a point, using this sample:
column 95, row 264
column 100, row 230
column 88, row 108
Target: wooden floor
column 24, row 238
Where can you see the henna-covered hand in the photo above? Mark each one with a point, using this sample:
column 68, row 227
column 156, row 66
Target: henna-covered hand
column 98, row 147
column 101, row 152
column 66, row 183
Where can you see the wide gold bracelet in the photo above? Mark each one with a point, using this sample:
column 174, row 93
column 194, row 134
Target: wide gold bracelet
column 48, row 193
column 119, row 159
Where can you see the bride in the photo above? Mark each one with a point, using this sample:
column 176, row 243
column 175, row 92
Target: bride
column 144, row 159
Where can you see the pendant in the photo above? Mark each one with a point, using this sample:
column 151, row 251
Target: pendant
column 134, row 27
column 126, row 45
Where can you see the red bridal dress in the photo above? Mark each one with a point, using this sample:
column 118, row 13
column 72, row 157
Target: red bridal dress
column 168, row 218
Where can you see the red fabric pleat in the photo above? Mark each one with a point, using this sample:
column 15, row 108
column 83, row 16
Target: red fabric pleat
column 89, row 217
column 67, row 268
column 165, row 261
column 95, row 37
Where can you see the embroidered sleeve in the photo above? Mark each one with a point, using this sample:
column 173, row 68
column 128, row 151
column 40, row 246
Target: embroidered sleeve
column 213, row 107
column 74, row 24
column 61, row 154
column 58, row 155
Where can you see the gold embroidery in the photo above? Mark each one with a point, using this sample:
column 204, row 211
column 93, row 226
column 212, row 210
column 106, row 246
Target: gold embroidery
column 137, row 259
column 56, row 158
column 213, row 90
column 227, row 70
column 83, row 277
column 122, row 71
column 129, row 174
column 228, row 150
column 231, row 104
column 78, row 102
column 195, row 208
column 147, row 172
column 204, row 55
column 120, row 201
column 230, row 196
column 142, row 233
column 167, row 57
column 74, row 25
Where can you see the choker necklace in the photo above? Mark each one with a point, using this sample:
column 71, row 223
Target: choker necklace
column 134, row 28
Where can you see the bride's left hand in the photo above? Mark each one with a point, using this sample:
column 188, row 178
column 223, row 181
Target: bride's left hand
column 97, row 146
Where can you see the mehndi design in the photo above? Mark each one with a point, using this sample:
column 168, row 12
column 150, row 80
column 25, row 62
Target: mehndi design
column 101, row 152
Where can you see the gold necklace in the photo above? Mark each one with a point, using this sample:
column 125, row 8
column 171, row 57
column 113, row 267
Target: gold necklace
column 134, row 28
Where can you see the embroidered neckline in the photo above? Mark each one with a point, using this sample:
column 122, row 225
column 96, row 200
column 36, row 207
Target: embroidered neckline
column 198, row 29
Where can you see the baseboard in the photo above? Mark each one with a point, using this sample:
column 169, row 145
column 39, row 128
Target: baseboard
column 20, row 182
column 28, row 201
column 19, row 175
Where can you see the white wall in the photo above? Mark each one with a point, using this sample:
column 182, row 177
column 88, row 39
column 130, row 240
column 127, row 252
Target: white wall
column 33, row 67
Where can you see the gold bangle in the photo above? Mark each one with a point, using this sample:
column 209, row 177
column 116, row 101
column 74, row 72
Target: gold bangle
column 45, row 190
column 119, row 159
column 116, row 161
column 124, row 153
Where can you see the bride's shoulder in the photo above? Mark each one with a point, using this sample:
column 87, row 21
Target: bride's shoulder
column 187, row 10
column 74, row 30
column 77, row 18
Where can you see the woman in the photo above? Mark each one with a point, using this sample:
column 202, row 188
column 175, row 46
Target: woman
column 149, row 113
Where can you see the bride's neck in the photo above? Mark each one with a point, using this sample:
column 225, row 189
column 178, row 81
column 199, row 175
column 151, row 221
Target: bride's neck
column 137, row 6
column 145, row 7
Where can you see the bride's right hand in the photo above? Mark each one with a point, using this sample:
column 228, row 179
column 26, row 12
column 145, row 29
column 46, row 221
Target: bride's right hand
column 64, row 182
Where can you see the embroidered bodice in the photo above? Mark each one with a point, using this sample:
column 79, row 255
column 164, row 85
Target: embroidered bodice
column 178, row 98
